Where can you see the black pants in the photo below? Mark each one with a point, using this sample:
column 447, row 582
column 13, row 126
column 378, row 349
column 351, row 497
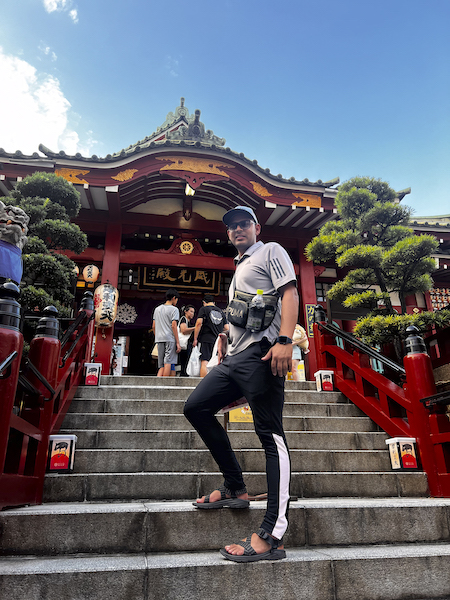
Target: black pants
column 247, row 375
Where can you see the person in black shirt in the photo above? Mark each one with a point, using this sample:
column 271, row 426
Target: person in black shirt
column 210, row 322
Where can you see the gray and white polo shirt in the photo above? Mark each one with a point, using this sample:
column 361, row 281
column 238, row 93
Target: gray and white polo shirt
column 267, row 267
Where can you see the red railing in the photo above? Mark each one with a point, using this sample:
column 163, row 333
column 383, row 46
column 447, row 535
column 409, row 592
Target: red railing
column 34, row 401
column 396, row 406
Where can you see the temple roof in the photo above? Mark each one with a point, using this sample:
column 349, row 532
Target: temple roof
column 180, row 129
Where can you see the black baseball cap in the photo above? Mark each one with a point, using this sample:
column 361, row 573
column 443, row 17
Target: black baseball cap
column 244, row 210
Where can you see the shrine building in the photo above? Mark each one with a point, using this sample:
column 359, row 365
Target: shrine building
column 153, row 216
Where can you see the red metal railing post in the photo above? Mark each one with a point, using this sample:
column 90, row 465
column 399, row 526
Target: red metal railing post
column 10, row 340
column 420, row 384
column 321, row 339
column 45, row 351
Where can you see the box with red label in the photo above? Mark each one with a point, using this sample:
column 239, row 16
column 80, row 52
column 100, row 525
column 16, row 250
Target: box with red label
column 92, row 373
column 61, row 453
column 402, row 451
column 324, row 381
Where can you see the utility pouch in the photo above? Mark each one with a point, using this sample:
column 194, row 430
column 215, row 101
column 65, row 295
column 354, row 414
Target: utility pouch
column 238, row 309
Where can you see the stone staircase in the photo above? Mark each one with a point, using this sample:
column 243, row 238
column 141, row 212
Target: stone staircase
column 122, row 525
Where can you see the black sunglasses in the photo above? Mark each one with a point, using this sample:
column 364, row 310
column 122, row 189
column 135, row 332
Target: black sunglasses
column 242, row 224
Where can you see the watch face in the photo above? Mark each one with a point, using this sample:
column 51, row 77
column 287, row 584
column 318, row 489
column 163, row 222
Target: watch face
column 283, row 339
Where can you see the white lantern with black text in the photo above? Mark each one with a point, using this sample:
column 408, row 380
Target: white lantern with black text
column 106, row 298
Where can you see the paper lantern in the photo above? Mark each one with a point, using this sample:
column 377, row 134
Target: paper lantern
column 106, row 297
column 90, row 273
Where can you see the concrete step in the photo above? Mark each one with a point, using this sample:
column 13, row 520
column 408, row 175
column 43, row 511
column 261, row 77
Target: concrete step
column 180, row 392
column 188, row 461
column 244, row 439
column 152, row 381
column 94, row 487
column 386, row 572
column 107, row 421
column 133, row 407
column 72, row 528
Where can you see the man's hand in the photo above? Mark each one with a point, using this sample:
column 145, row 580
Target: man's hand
column 178, row 348
column 281, row 357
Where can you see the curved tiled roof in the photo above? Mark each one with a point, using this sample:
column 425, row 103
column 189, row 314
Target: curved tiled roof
column 204, row 140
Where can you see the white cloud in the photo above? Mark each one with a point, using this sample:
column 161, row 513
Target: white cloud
column 36, row 111
column 73, row 14
column 48, row 51
column 172, row 65
column 62, row 6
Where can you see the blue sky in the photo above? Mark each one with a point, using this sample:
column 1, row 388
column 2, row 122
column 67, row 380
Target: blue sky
column 323, row 89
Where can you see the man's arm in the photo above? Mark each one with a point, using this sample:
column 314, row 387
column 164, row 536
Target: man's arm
column 281, row 355
column 198, row 326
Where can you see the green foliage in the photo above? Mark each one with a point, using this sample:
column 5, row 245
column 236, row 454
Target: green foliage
column 49, row 185
column 380, row 329
column 50, row 201
column 60, row 235
column 374, row 244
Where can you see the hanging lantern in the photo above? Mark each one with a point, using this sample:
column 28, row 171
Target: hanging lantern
column 106, row 297
column 90, row 273
column 76, row 270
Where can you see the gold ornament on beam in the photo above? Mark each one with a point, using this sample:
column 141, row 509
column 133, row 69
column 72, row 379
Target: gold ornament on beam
column 186, row 247
column 260, row 190
column 310, row 200
column 125, row 175
column 72, row 175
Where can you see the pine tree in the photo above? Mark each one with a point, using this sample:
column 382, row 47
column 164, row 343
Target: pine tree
column 381, row 255
column 48, row 277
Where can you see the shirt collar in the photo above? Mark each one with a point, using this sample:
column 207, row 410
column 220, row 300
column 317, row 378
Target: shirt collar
column 238, row 259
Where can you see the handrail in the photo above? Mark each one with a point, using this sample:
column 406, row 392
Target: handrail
column 38, row 409
column 362, row 347
column 6, row 364
column 75, row 341
column 70, row 330
column 41, row 378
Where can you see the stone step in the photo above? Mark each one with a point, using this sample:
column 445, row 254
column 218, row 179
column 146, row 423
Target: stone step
column 118, row 392
column 93, row 487
column 152, row 381
column 247, row 439
column 107, row 421
column 59, row 529
column 199, row 461
column 394, row 572
column 134, row 407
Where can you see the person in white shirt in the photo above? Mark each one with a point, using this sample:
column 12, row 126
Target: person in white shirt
column 165, row 328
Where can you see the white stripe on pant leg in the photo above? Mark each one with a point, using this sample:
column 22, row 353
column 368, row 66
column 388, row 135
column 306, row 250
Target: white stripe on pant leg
column 283, row 492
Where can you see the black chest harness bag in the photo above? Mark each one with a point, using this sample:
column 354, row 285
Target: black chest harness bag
column 239, row 308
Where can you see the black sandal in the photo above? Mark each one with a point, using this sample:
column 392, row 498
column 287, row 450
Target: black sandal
column 250, row 555
column 224, row 501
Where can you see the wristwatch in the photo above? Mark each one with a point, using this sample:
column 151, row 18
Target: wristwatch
column 283, row 339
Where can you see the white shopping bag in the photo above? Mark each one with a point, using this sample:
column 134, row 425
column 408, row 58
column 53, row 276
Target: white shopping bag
column 193, row 366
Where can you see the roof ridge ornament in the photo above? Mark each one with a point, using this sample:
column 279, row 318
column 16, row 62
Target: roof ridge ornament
column 195, row 132
column 181, row 112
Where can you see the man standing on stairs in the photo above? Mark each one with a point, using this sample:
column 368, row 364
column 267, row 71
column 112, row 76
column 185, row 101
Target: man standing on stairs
column 165, row 328
column 255, row 366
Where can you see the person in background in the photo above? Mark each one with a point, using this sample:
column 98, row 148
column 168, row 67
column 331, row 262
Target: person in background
column 165, row 326
column 210, row 322
column 188, row 313
column 300, row 343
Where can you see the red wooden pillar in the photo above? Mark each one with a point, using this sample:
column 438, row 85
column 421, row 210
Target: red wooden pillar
column 308, row 298
column 110, row 274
